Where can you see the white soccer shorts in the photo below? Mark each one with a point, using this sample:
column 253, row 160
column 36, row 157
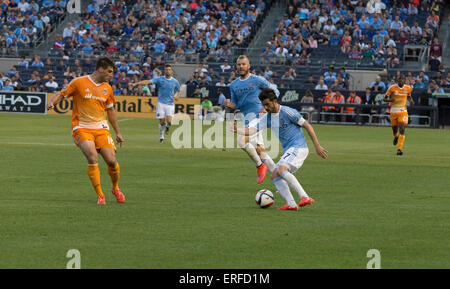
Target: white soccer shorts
column 293, row 158
column 163, row 110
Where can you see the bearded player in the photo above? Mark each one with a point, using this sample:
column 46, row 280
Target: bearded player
column 244, row 96
column 92, row 95
column 397, row 95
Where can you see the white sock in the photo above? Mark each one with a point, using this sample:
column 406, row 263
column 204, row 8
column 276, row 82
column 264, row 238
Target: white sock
column 283, row 188
column 269, row 163
column 161, row 131
column 251, row 151
column 295, row 185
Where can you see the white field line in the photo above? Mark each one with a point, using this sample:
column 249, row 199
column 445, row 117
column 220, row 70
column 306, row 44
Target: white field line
column 36, row 143
column 163, row 147
column 72, row 144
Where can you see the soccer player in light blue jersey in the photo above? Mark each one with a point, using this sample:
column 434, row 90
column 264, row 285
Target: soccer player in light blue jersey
column 168, row 91
column 286, row 123
column 244, row 96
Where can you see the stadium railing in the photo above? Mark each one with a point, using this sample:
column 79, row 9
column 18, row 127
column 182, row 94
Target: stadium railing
column 418, row 57
column 381, row 118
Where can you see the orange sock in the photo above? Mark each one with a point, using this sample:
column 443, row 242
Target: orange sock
column 94, row 175
column 114, row 174
column 396, row 135
column 401, row 140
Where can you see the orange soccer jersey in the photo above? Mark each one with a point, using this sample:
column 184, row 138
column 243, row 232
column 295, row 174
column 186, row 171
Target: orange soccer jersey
column 399, row 95
column 90, row 100
column 399, row 114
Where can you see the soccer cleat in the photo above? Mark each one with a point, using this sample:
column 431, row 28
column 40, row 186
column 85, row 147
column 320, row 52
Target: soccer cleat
column 101, row 200
column 305, row 201
column 288, row 208
column 119, row 196
column 395, row 141
column 161, row 140
column 399, row 152
column 262, row 169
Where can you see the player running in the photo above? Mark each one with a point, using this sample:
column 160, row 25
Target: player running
column 168, row 90
column 244, row 96
column 287, row 124
column 397, row 94
column 92, row 95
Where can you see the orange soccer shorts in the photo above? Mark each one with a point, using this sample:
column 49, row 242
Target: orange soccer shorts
column 101, row 137
column 399, row 118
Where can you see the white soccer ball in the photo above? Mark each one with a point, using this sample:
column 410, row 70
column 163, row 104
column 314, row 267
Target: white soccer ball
column 264, row 198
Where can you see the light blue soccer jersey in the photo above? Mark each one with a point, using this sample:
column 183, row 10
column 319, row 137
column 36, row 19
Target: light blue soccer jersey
column 244, row 93
column 166, row 89
column 284, row 125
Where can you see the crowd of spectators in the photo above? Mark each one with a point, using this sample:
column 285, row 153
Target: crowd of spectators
column 24, row 21
column 288, row 77
column 141, row 35
column 431, row 82
column 371, row 30
column 184, row 31
column 49, row 75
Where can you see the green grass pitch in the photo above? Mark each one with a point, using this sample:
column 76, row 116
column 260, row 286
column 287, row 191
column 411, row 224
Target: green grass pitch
column 195, row 208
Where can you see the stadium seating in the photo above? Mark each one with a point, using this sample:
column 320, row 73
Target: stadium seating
column 25, row 23
column 175, row 25
column 104, row 28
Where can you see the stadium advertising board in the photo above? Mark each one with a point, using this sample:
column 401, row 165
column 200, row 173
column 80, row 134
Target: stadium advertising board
column 133, row 106
column 23, row 102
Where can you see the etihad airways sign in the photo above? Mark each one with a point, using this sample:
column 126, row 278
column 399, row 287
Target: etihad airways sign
column 23, row 102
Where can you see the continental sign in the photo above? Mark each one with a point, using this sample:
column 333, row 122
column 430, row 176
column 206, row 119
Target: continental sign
column 132, row 106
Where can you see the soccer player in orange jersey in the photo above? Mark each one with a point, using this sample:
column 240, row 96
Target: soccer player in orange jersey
column 92, row 95
column 397, row 95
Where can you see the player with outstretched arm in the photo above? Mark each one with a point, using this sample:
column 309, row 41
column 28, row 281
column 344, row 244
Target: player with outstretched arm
column 92, row 95
column 168, row 91
column 287, row 124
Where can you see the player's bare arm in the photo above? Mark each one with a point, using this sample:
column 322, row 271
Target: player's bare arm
column 411, row 101
column 388, row 98
column 229, row 104
column 247, row 131
column 142, row 82
column 55, row 100
column 322, row 152
column 112, row 117
column 177, row 95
